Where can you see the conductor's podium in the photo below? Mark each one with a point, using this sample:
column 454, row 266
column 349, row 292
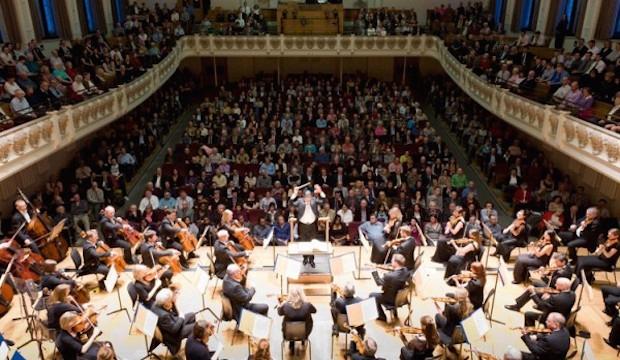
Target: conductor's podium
column 321, row 273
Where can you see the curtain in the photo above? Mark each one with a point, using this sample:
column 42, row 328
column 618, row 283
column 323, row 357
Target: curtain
column 553, row 17
column 37, row 23
column 581, row 14
column 516, row 16
column 99, row 14
column 605, row 27
column 10, row 21
column 62, row 20
column 82, row 15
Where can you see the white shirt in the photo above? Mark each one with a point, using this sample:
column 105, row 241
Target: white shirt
column 562, row 91
column 145, row 202
column 345, row 216
column 308, row 217
column 11, row 88
column 26, row 216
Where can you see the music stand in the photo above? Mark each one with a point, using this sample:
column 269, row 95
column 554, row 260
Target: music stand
column 31, row 329
column 145, row 322
column 110, row 285
column 270, row 241
column 501, row 274
column 201, row 283
column 363, row 244
column 286, row 267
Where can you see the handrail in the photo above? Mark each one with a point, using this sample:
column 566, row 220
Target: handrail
column 28, row 143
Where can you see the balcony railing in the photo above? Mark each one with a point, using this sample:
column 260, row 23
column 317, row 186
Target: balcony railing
column 593, row 146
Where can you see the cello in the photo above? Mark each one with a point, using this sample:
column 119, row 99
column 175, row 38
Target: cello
column 187, row 239
column 23, row 260
column 241, row 234
column 39, row 227
column 114, row 260
column 6, row 291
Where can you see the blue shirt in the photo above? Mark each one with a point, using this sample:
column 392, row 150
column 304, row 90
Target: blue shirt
column 556, row 78
column 170, row 203
column 372, row 232
column 282, row 232
column 321, row 123
column 270, row 168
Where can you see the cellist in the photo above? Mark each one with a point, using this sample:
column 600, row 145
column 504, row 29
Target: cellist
column 110, row 228
column 93, row 260
column 226, row 252
column 169, row 234
column 152, row 250
column 23, row 215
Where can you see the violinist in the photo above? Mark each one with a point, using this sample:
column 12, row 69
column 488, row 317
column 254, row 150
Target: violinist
column 110, row 227
column 68, row 340
column 153, row 251
column 558, row 268
column 52, row 278
column 406, row 247
column 168, row 232
column 538, row 256
column 515, row 235
column 473, row 281
column 422, row 345
column 23, row 216
column 363, row 349
column 390, row 284
column 173, row 324
column 239, row 295
column 454, row 230
column 339, row 304
column 226, row 252
column 561, row 300
column 585, row 235
column 605, row 256
column 262, row 351
column 554, row 345
column 452, row 315
column 148, row 282
column 59, row 302
column 465, row 250
column 197, row 346
column 611, row 298
column 93, row 260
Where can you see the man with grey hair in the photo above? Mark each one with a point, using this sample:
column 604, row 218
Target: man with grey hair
column 239, row 295
column 307, row 209
column 554, row 345
column 224, row 254
column 340, row 299
column 583, row 236
column 562, row 302
column 369, row 351
column 173, row 324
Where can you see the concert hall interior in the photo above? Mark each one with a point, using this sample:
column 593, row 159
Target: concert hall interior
column 322, row 179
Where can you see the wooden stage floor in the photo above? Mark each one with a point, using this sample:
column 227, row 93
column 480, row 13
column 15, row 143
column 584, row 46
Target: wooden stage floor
column 115, row 327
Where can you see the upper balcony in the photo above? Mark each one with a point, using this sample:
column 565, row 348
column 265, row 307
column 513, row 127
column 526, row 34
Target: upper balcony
column 589, row 144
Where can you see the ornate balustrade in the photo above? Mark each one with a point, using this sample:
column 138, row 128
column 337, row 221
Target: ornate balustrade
column 593, row 146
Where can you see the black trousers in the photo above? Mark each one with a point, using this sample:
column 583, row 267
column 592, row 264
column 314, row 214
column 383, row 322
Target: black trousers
column 611, row 297
column 522, row 266
column 443, row 251
column 307, row 232
column 126, row 246
column 455, row 265
column 587, row 263
column 524, row 298
column 504, row 248
column 578, row 243
column 614, row 334
column 381, row 300
column 177, row 246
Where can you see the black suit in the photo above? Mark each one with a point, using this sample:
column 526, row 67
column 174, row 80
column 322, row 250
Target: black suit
column 476, row 293
column 143, row 291
column 391, row 283
column 55, row 311
column 224, row 257
column 547, row 347
column 565, row 272
column 561, row 303
column 150, row 257
column 588, row 238
column 21, row 236
column 339, row 306
column 407, row 249
column 173, row 327
column 92, row 260
column 197, row 350
column 51, row 280
column 110, row 229
column 304, row 313
column 240, row 298
column 168, row 234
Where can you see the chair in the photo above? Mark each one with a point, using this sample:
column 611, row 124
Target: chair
column 403, row 298
column 607, row 270
column 77, row 263
column 227, row 314
column 341, row 326
column 295, row 331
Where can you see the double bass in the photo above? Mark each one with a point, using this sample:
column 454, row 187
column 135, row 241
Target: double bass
column 53, row 245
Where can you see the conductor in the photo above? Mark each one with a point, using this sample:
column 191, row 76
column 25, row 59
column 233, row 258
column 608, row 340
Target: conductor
column 308, row 214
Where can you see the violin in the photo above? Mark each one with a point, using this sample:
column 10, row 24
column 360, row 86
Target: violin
column 444, row 299
column 407, row 330
column 547, row 270
column 394, row 242
column 463, row 241
column 533, row 330
column 186, row 238
column 386, row 267
column 357, row 339
column 546, row 290
column 465, row 276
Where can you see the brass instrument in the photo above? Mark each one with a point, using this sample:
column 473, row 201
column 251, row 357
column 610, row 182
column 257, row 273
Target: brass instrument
column 407, row 330
column 443, row 299
column 532, row 330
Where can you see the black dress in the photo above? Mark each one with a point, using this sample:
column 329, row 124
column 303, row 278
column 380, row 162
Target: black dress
column 444, row 250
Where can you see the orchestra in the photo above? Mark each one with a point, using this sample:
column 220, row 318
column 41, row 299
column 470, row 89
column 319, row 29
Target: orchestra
column 543, row 269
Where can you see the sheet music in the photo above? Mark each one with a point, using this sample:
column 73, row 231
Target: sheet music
column 476, row 325
column 362, row 312
column 202, row 280
column 145, row 321
column 287, row 267
column 268, row 239
column 110, row 280
column 342, row 264
column 588, row 354
column 421, row 278
column 219, row 347
column 254, row 325
column 363, row 240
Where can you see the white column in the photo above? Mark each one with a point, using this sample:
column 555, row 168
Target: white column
column 108, row 15
column 74, row 19
column 509, row 14
column 590, row 20
column 543, row 15
column 24, row 20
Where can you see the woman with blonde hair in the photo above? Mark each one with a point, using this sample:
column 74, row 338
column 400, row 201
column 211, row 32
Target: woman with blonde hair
column 295, row 309
column 452, row 315
column 59, row 302
column 262, row 351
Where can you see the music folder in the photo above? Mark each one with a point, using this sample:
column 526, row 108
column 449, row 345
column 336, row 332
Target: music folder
column 287, row 267
column 110, row 280
column 255, row 325
column 502, row 271
column 421, row 278
column 342, row 264
column 268, row 239
column 586, row 285
column 362, row 312
column 476, row 325
column 145, row 321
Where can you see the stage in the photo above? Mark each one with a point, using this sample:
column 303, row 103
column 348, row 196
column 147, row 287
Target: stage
column 115, row 327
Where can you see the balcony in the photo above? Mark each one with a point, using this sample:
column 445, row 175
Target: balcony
column 591, row 145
